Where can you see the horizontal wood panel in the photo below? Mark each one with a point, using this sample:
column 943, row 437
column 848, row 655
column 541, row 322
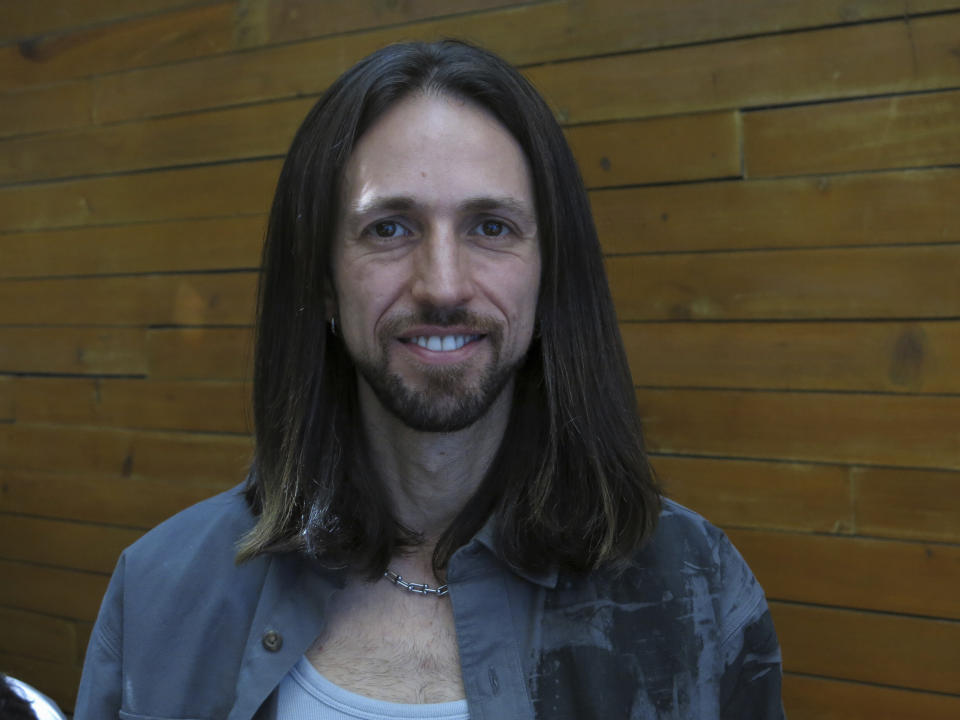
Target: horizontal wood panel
column 218, row 244
column 187, row 457
column 755, row 494
column 101, row 351
column 57, row 680
column 147, row 404
column 217, row 299
column 51, row 591
column 64, row 544
column 884, row 282
column 130, row 502
column 913, row 431
column 875, row 356
column 913, row 504
column 805, row 66
column 248, row 132
column 910, row 131
column 678, row 81
column 147, row 40
column 871, row 647
column 22, row 20
column 235, row 189
column 883, row 575
column 53, row 107
column 907, row 207
column 36, row 636
column 689, row 147
column 814, row 698
column 201, row 353
column 7, row 404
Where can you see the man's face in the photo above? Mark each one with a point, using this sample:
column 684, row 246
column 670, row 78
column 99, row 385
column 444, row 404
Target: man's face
column 436, row 261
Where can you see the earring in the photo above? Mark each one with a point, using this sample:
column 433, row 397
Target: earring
column 333, row 326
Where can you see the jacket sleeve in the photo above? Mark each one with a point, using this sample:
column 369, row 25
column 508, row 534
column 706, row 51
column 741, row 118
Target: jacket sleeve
column 750, row 686
column 101, row 682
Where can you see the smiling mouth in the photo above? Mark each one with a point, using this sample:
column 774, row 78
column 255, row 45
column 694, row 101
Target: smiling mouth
column 441, row 343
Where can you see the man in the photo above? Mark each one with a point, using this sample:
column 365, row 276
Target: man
column 450, row 513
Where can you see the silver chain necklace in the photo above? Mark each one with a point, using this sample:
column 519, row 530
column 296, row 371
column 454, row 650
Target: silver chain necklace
column 418, row 588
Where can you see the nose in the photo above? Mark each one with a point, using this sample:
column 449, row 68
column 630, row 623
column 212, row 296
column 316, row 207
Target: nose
column 442, row 271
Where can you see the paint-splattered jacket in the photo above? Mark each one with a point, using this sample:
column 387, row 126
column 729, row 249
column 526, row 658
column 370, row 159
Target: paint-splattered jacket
column 185, row 633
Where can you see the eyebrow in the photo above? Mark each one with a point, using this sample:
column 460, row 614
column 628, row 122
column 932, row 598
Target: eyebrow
column 403, row 203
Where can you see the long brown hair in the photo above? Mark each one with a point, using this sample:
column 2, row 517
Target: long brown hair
column 570, row 484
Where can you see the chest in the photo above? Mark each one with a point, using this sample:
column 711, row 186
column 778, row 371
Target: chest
column 390, row 646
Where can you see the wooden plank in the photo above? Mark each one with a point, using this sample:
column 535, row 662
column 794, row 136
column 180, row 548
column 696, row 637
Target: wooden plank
column 881, row 282
column 912, row 431
column 7, row 403
column 52, row 591
column 911, row 207
column 57, row 680
column 910, row 504
column 857, row 356
column 688, row 147
column 148, row 40
column 882, row 575
column 138, row 404
column 64, row 544
column 22, row 20
column 53, row 107
column 815, row 698
column 100, row 351
column 188, row 457
column 277, row 21
column 36, row 636
column 137, row 503
column 898, row 132
column 216, row 299
column 887, row 57
column 257, row 131
column 234, row 189
column 670, row 82
column 885, row 649
column 200, row 353
column 753, row 494
column 216, row 244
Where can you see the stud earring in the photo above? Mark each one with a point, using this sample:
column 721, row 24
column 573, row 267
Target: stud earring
column 333, row 326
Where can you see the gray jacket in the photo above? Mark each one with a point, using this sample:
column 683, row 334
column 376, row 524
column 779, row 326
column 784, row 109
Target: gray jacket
column 184, row 633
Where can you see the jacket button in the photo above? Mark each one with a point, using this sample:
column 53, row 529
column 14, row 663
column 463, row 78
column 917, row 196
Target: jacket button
column 272, row 640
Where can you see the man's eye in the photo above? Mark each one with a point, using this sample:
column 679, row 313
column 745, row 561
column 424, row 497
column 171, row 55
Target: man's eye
column 492, row 228
column 389, row 229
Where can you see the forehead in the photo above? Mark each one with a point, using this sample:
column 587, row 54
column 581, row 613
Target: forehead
column 437, row 150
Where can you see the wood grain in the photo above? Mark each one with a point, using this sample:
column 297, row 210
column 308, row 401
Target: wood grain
column 870, row 59
column 756, row 494
column 63, row 544
column 21, row 20
column 911, row 504
column 137, row 404
column 898, row 132
column 895, row 650
column 841, row 356
column 73, row 350
column 7, row 402
column 886, row 208
column 815, row 698
column 52, row 107
column 882, row 283
column 881, row 575
column 130, row 502
column 200, row 353
column 36, row 636
column 688, row 147
column 214, row 299
column 51, row 591
column 911, row 431
column 220, row 190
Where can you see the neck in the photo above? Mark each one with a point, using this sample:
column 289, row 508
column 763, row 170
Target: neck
column 430, row 476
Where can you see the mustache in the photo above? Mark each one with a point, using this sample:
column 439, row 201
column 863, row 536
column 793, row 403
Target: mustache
column 443, row 317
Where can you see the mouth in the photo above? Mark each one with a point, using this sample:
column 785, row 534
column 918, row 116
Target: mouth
column 441, row 343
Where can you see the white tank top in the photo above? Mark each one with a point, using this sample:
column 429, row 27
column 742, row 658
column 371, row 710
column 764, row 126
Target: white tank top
column 304, row 694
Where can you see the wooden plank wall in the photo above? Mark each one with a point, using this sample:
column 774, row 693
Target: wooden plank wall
column 776, row 187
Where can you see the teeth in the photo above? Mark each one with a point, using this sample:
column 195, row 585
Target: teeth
column 446, row 343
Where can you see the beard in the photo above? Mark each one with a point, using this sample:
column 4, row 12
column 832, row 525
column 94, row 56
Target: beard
column 448, row 401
